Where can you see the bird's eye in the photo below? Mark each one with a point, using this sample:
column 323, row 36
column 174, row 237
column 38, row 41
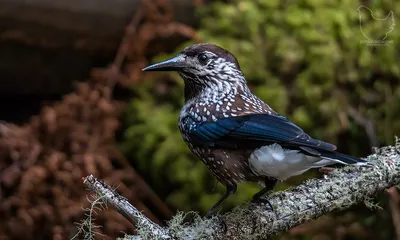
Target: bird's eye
column 203, row 58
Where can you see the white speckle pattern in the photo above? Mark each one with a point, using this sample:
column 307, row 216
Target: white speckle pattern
column 215, row 91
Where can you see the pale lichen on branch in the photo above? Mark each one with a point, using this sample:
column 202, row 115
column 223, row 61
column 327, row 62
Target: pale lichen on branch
column 338, row 190
column 136, row 217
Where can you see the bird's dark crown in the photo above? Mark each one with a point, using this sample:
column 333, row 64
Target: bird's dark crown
column 196, row 59
column 201, row 48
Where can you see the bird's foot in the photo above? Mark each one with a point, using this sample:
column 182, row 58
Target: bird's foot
column 259, row 199
column 211, row 212
column 230, row 189
column 269, row 186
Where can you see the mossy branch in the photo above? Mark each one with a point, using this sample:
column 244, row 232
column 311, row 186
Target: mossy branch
column 338, row 190
column 110, row 196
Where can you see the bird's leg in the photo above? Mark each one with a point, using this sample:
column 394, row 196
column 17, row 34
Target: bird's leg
column 269, row 185
column 230, row 189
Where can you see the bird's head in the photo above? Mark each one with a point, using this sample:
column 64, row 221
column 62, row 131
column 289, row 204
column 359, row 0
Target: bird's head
column 203, row 65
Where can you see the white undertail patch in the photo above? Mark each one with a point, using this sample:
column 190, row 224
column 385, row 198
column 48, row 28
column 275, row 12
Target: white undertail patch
column 275, row 161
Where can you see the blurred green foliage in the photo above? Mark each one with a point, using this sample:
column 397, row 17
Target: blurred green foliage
column 305, row 58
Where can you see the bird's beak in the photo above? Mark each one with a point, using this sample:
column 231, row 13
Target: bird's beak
column 173, row 64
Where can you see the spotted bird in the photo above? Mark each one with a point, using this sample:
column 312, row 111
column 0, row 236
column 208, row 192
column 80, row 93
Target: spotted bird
column 237, row 135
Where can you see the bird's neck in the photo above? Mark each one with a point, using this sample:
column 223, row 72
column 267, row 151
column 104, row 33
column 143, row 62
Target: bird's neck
column 211, row 88
column 192, row 90
column 220, row 99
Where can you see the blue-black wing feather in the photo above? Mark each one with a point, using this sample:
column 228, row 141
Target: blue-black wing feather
column 254, row 130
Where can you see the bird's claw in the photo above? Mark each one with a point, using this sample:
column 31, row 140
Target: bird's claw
column 210, row 213
column 263, row 200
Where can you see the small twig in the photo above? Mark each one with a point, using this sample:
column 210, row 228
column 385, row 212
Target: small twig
column 123, row 206
column 366, row 123
column 123, row 49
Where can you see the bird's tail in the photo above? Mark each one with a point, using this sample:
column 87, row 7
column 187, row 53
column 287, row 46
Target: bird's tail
column 345, row 159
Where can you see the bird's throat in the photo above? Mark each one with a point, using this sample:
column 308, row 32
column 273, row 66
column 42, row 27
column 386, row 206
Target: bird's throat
column 192, row 90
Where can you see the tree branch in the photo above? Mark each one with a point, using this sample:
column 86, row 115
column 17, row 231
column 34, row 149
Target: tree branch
column 124, row 207
column 338, row 190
